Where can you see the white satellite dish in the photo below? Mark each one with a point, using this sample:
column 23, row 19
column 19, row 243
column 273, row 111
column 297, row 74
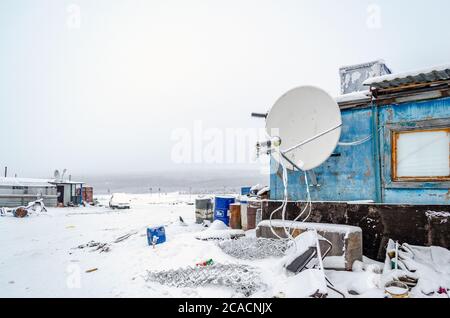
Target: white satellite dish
column 308, row 122
column 64, row 172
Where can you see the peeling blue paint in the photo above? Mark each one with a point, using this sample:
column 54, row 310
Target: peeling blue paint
column 352, row 175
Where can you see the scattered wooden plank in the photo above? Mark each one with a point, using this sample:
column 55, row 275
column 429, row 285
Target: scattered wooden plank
column 92, row 270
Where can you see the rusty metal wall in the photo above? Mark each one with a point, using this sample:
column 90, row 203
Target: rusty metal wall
column 347, row 176
column 413, row 224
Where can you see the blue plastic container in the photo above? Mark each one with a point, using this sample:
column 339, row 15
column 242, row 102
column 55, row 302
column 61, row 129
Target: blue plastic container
column 245, row 190
column 222, row 209
column 158, row 232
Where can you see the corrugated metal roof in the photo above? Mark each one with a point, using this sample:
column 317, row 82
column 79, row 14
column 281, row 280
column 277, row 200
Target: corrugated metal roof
column 25, row 182
column 429, row 75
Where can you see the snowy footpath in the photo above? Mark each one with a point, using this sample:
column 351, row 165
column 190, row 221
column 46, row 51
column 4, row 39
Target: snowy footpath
column 99, row 252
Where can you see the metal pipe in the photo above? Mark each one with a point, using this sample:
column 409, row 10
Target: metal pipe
column 376, row 153
column 294, row 166
column 307, row 141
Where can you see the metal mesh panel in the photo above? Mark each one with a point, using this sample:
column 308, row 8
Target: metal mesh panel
column 242, row 278
column 254, row 248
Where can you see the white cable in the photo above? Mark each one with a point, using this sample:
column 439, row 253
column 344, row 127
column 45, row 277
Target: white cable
column 358, row 142
column 286, row 194
column 355, row 143
column 308, row 204
column 309, row 198
column 283, row 205
column 319, row 257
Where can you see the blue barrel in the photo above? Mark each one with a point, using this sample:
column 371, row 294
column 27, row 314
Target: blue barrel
column 245, row 190
column 222, row 208
column 158, row 233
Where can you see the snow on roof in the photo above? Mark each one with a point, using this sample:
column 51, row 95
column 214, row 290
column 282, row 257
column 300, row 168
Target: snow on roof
column 321, row 227
column 430, row 74
column 353, row 97
column 31, row 182
column 67, row 182
column 54, row 181
column 25, row 182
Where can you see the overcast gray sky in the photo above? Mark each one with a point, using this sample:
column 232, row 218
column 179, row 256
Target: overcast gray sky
column 127, row 73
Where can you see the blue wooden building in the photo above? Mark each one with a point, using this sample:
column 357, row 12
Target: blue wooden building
column 406, row 160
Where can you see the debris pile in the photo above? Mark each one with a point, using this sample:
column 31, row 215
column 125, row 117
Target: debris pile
column 106, row 247
column 37, row 206
column 96, row 246
column 423, row 270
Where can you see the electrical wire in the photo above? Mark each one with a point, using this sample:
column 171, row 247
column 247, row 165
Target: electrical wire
column 355, row 143
column 288, row 229
column 358, row 142
column 284, row 204
column 308, row 204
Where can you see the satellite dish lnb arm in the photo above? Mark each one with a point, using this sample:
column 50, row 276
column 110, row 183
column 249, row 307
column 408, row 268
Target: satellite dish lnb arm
column 311, row 139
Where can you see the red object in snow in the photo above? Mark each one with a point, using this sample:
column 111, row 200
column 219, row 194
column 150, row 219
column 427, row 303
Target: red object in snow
column 442, row 290
column 206, row 263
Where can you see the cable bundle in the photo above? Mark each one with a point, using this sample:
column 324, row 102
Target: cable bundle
column 283, row 206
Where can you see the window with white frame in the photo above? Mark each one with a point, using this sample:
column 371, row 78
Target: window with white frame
column 421, row 155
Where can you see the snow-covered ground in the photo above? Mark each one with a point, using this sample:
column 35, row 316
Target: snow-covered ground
column 39, row 255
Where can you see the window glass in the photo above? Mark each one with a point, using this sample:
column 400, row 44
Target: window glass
column 422, row 154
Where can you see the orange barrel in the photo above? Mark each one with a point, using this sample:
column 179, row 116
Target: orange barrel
column 253, row 207
column 235, row 216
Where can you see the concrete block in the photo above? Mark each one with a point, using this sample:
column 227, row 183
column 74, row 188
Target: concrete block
column 346, row 240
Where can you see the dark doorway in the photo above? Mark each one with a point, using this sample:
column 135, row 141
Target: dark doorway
column 60, row 190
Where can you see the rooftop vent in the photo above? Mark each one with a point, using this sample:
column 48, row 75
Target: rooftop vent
column 353, row 77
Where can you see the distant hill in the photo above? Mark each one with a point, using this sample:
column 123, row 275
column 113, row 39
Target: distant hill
column 197, row 181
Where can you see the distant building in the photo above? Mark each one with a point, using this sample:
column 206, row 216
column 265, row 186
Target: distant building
column 69, row 192
column 16, row 192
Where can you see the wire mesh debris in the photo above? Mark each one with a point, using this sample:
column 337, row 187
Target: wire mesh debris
column 254, row 248
column 241, row 278
column 96, row 246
